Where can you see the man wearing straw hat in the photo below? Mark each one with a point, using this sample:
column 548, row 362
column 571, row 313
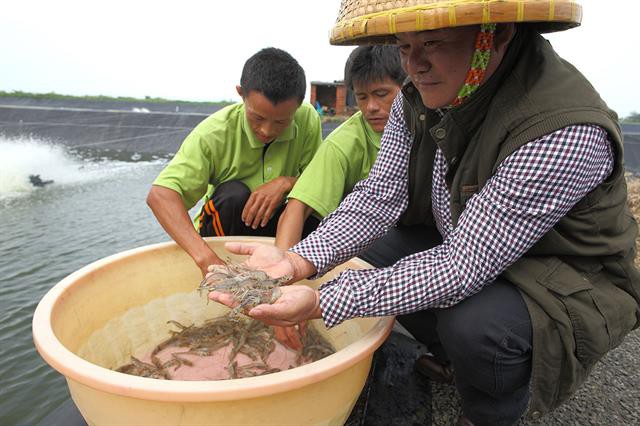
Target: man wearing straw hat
column 511, row 154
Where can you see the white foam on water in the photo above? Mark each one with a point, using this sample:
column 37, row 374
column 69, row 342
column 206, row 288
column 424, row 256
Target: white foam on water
column 24, row 156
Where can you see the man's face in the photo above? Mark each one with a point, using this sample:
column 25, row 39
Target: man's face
column 268, row 121
column 438, row 62
column 374, row 100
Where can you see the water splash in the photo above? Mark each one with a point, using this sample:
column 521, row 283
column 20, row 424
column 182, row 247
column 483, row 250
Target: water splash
column 24, row 156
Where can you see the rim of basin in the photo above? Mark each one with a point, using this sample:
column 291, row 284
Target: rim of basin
column 80, row 370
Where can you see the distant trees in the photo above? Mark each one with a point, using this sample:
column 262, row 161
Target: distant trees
column 148, row 99
column 634, row 117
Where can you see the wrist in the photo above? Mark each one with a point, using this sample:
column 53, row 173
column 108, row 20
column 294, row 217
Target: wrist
column 204, row 256
column 317, row 310
column 286, row 183
column 302, row 268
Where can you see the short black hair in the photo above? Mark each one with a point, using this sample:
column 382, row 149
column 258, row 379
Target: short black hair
column 274, row 73
column 374, row 63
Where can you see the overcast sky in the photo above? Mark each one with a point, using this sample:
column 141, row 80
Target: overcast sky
column 194, row 50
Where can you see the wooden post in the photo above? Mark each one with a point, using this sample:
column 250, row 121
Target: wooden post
column 341, row 99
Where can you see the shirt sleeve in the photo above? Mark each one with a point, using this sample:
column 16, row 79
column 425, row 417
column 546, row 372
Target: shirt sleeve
column 374, row 205
column 322, row 184
column 312, row 139
column 189, row 172
column 530, row 192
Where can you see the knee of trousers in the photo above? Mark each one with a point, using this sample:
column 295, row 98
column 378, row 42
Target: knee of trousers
column 231, row 195
column 492, row 356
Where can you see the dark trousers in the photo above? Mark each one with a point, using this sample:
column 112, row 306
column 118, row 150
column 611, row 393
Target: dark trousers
column 486, row 337
column 222, row 214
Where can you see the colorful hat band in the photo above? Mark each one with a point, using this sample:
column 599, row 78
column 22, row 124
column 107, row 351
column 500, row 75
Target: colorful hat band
column 479, row 63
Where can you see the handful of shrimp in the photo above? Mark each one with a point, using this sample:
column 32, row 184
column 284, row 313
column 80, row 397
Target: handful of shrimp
column 248, row 287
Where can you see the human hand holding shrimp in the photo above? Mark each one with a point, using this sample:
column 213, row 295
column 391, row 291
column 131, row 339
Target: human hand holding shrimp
column 276, row 263
column 296, row 304
column 273, row 260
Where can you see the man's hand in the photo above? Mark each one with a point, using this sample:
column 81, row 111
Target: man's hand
column 273, row 260
column 264, row 201
column 291, row 336
column 208, row 258
column 297, row 303
column 276, row 263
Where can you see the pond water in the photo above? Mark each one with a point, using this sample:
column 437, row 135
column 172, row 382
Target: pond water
column 95, row 207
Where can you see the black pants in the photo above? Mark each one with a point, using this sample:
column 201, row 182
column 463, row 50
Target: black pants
column 486, row 337
column 222, row 214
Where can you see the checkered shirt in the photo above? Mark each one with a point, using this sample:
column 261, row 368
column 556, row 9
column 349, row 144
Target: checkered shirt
column 531, row 190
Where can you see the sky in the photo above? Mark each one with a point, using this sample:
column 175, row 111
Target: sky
column 195, row 50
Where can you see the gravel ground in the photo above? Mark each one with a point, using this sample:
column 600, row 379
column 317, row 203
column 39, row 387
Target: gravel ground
column 611, row 395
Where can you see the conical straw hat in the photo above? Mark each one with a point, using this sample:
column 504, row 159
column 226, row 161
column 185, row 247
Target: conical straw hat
column 375, row 21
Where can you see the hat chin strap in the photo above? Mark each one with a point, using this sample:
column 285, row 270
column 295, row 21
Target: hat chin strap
column 479, row 63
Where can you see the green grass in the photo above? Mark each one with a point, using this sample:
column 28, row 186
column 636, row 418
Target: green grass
column 147, row 99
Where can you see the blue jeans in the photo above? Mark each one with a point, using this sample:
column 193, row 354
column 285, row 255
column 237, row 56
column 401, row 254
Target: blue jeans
column 486, row 337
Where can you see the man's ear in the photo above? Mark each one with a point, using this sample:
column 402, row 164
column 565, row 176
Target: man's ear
column 240, row 92
column 503, row 36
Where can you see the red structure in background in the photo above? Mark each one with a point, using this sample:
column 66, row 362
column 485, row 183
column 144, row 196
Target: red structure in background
column 333, row 97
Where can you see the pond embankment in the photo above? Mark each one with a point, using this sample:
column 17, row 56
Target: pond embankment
column 143, row 127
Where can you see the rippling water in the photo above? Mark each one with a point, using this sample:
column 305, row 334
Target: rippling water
column 95, row 208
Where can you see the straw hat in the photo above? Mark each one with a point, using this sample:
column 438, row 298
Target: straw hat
column 375, row 21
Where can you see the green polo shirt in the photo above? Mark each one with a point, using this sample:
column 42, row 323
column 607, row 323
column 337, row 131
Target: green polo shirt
column 344, row 159
column 223, row 148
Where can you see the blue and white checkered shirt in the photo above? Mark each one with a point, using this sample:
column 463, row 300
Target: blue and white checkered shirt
column 531, row 190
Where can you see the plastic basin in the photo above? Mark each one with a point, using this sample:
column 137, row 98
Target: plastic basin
column 95, row 318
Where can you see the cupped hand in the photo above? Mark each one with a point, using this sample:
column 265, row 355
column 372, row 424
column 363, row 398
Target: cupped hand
column 296, row 304
column 273, row 260
column 208, row 258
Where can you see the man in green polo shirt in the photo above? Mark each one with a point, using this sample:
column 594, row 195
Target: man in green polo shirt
column 243, row 159
column 345, row 158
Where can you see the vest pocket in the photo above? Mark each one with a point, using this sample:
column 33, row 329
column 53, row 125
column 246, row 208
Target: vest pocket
column 599, row 313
